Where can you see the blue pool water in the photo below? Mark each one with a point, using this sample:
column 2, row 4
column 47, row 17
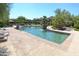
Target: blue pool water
column 48, row 35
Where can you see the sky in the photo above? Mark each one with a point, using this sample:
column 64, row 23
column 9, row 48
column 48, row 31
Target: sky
column 37, row 10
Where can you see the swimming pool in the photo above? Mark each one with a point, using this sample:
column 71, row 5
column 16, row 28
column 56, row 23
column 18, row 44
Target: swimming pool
column 48, row 35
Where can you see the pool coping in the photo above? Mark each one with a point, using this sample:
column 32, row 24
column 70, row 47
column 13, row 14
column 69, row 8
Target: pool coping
column 49, row 28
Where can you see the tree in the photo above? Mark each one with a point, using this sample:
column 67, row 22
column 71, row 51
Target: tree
column 58, row 20
column 58, row 23
column 36, row 21
column 67, row 18
column 4, row 14
column 44, row 22
column 76, row 22
column 50, row 20
column 62, row 19
column 21, row 20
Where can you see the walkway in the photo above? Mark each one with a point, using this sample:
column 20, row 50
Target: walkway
column 22, row 44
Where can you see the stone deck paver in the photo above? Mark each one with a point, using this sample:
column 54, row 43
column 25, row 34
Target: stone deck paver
column 24, row 44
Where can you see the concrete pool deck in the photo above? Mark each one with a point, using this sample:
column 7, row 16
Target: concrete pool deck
column 24, row 44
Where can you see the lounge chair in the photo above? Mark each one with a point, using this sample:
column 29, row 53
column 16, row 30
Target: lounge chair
column 3, row 35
